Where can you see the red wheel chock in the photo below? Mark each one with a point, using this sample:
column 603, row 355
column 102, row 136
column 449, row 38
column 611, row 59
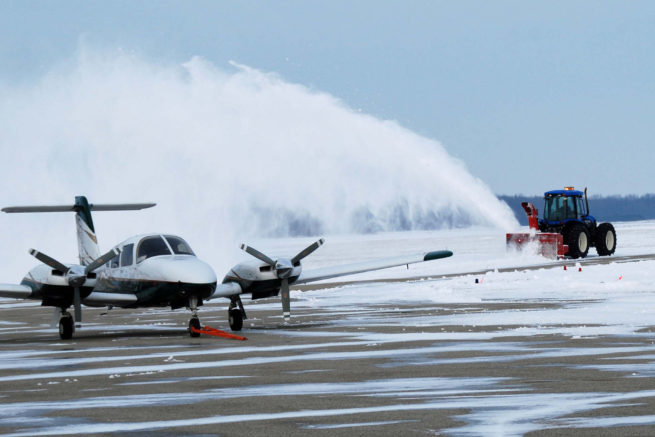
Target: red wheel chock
column 208, row 330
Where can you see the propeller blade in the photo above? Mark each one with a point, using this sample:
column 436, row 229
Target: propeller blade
column 286, row 301
column 45, row 259
column 309, row 249
column 257, row 254
column 103, row 259
column 77, row 303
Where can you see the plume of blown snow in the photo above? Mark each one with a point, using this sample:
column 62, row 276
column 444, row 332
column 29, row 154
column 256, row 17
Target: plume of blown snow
column 227, row 154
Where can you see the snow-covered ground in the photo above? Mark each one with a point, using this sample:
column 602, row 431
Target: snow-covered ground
column 611, row 298
column 475, row 249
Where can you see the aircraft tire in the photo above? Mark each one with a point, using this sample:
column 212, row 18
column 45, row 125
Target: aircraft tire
column 66, row 328
column 194, row 323
column 605, row 239
column 236, row 319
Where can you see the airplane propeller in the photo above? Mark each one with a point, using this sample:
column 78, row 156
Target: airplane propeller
column 75, row 275
column 283, row 268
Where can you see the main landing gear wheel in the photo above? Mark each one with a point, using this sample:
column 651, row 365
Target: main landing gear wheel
column 236, row 319
column 605, row 239
column 194, row 323
column 577, row 238
column 66, row 327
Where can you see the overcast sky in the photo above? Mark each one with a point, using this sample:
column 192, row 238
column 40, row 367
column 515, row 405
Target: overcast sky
column 530, row 95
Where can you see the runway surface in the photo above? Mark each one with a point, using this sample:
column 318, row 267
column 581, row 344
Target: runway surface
column 379, row 369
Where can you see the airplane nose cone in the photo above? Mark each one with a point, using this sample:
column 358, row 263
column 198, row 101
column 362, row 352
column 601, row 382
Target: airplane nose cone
column 186, row 269
column 197, row 272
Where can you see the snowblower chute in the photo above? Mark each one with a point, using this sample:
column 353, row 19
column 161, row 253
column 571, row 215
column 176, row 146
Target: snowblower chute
column 547, row 244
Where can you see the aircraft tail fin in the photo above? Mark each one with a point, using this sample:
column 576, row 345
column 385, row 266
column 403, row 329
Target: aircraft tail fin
column 87, row 242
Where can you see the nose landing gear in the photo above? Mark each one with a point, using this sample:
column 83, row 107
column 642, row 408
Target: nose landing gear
column 194, row 322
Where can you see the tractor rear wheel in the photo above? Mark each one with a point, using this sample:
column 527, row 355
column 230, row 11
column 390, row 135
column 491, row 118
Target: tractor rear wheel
column 577, row 238
column 605, row 239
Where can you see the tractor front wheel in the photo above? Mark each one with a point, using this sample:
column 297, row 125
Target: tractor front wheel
column 577, row 238
column 605, row 239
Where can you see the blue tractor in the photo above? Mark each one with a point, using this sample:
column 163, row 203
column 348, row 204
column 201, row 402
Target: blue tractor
column 567, row 212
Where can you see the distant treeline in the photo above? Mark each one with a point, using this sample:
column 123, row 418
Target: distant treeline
column 604, row 208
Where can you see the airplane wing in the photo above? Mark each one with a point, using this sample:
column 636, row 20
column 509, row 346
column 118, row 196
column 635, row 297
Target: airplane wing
column 15, row 291
column 97, row 298
column 351, row 269
column 226, row 290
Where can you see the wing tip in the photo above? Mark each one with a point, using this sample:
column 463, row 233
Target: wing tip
column 437, row 254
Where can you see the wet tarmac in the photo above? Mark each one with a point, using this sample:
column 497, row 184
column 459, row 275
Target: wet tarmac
column 387, row 370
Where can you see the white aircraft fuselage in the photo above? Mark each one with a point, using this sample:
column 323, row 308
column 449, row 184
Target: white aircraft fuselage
column 155, row 280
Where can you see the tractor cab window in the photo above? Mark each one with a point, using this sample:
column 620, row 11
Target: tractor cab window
column 152, row 246
column 560, row 208
column 127, row 255
column 582, row 210
column 179, row 246
column 571, row 211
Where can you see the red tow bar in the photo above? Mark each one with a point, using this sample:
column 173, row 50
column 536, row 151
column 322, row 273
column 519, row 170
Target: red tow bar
column 208, row 330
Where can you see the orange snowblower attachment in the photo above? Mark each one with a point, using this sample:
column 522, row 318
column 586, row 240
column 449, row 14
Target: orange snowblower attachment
column 533, row 215
column 547, row 244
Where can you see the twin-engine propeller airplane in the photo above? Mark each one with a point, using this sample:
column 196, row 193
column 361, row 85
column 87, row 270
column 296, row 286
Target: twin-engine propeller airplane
column 160, row 270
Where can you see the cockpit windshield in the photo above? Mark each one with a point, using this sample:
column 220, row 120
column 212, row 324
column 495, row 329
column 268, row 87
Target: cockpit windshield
column 152, row 246
column 179, row 246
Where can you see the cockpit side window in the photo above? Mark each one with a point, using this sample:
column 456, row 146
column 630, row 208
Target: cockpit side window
column 127, row 255
column 113, row 263
column 152, row 246
column 179, row 246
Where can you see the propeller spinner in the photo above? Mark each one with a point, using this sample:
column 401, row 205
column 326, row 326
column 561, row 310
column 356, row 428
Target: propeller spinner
column 283, row 268
column 75, row 275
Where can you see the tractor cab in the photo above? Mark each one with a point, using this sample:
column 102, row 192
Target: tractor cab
column 564, row 205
